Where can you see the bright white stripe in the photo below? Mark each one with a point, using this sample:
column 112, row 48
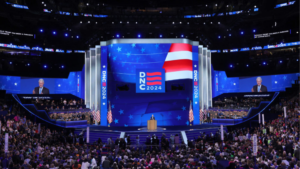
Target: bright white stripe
column 179, row 75
column 179, row 55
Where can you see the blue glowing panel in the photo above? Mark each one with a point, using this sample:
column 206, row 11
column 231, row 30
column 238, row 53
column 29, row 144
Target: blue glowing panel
column 69, row 51
column 100, row 16
column 60, row 51
column 234, row 50
column 150, row 80
column 245, row 49
column 10, row 83
column 49, row 50
column 130, row 108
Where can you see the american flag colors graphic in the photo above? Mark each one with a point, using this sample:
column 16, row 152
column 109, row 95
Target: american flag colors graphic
column 153, row 78
column 109, row 115
column 179, row 62
column 191, row 114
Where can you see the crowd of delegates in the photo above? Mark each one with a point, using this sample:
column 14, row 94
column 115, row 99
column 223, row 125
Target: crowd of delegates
column 34, row 147
column 61, row 104
column 238, row 103
column 87, row 115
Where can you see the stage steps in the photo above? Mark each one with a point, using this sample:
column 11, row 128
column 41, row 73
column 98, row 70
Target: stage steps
column 143, row 136
column 96, row 134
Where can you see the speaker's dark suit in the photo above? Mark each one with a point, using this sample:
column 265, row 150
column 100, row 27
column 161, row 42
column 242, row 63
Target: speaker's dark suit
column 262, row 88
column 44, row 91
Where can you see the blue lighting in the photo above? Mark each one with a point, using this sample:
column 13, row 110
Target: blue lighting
column 182, row 36
column 160, row 36
column 28, row 64
column 117, row 35
column 10, row 62
column 264, row 63
column 45, row 66
column 62, row 66
column 139, row 35
column 247, row 65
column 219, row 37
column 280, row 61
column 242, row 33
column 297, row 60
column 230, row 65
column 254, row 30
column 66, row 34
column 229, row 34
column 77, row 37
column 41, row 30
column 54, row 33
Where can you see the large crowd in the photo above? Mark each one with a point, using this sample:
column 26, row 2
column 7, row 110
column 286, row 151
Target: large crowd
column 34, row 147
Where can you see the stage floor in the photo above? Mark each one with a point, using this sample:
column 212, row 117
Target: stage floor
column 159, row 128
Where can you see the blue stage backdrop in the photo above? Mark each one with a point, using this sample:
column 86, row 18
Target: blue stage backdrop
column 130, row 108
column 74, row 84
column 223, row 84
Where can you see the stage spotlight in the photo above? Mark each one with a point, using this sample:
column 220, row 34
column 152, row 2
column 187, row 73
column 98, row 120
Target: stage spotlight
column 135, row 22
column 62, row 66
column 254, row 6
column 219, row 37
column 204, row 23
column 180, row 22
column 139, row 35
column 112, row 22
column 230, row 65
column 188, row 23
column 297, row 60
column 120, row 21
column 254, row 30
column 54, row 33
column 127, row 22
column 219, row 23
column 229, row 34
column 280, row 61
column 264, row 63
column 160, row 36
column 173, row 22
column 150, row 23
column 45, row 4
column 10, row 62
column 87, row 4
column 80, row 21
column 117, row 35
column 66, row 34
column 28, row 64
column 89, row 22
column 45, row 66
column 96, row 22
column 242, row 33
column 247, row 65
column 77, row 37
column 41, row 30
column 182, row 36
column 210, row 22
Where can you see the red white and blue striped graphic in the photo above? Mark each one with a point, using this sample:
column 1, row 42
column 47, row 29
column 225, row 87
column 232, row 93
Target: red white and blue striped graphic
column 179, row 62
column 153, row 78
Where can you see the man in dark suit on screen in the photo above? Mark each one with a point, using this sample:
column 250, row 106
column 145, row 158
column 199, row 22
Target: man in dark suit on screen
column 41, row 89
column 259, row 87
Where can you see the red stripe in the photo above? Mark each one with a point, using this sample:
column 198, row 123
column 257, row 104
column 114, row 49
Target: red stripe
column 153, row 78
column 176, row 47
column 153, row 83
column 154, row 74
column 178, row 65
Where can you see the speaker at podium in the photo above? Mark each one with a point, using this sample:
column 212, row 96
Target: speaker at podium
column 152, row 123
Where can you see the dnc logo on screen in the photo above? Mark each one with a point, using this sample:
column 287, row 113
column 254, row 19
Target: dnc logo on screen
column 150, row 80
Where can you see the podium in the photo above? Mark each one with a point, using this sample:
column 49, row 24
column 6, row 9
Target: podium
column 152, row 125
